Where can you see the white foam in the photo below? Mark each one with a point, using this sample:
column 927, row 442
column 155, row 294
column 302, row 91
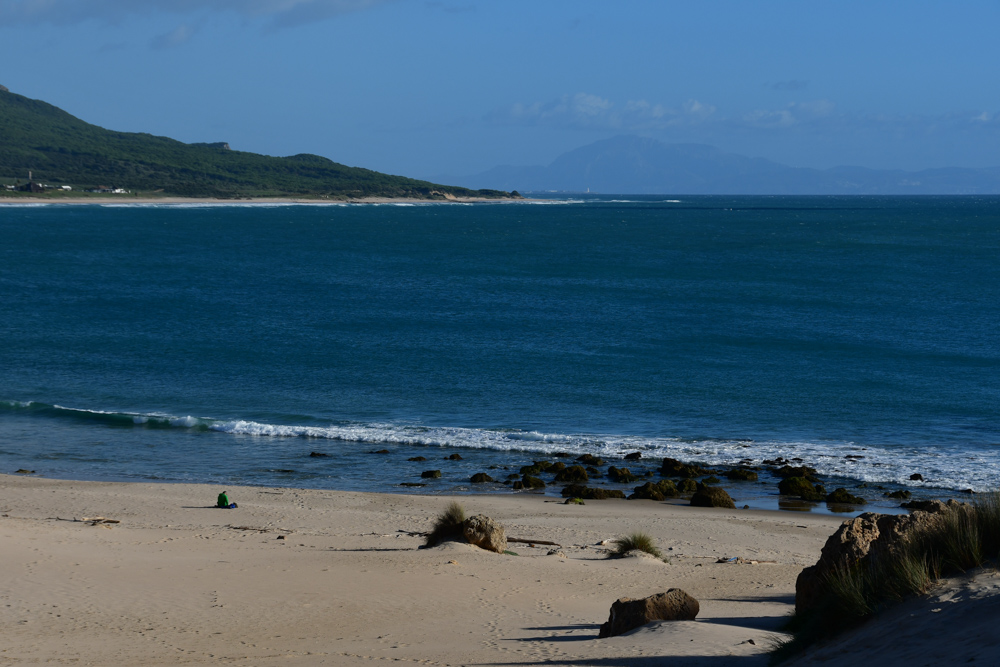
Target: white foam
column 946, row 467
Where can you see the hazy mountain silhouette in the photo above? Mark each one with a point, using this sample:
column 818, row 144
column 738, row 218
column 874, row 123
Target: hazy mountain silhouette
column 637, row 165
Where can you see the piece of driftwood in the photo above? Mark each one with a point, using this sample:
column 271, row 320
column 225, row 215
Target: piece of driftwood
column 523, row 541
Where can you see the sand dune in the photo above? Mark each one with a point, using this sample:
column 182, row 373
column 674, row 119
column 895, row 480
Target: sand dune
column 177, row 581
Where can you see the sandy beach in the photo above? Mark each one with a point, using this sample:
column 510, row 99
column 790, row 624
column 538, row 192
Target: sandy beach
column 177, row 581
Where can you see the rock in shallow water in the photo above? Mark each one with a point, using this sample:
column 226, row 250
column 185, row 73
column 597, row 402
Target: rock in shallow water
column 712, row 496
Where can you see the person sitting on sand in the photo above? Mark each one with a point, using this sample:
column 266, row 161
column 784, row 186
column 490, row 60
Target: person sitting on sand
column 224, row 503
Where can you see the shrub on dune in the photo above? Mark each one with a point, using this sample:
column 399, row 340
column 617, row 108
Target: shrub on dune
column 447, row 526
column 635, row 542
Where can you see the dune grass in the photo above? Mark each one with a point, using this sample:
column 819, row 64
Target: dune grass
column 447, row 526
column 966, row 537
column 635, row 542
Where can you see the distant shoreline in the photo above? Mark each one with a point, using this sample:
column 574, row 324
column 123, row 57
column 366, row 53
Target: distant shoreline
column 216, row 201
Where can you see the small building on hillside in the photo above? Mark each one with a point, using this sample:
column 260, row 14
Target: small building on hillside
column 108, row 190
column 31, row 186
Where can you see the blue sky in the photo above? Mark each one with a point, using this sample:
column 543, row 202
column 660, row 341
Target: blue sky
column 425, row 88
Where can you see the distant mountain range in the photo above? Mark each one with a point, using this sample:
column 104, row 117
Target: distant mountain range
column 637, row 165
column 61, row 150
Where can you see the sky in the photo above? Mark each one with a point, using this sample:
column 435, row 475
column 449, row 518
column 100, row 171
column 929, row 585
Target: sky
column 429, row 88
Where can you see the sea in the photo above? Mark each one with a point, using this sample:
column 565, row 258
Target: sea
column 326, row 345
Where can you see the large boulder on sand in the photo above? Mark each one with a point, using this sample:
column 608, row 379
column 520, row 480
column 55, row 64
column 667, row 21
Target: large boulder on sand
column 859, row 539
column 628, row 614
column 712, row 496
column 485, row 533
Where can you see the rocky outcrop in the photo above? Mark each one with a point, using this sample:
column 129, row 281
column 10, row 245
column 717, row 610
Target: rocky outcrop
column 712, row 496
column 621, row 475
column 802, row 488
column 485, row 533
column 741, row 475
column 628, row 614
column 843, row 496
column 481, row 478
column 659, row 491
column 674, row 468
column 860, row 539
column 590, row 493
column 572, row 474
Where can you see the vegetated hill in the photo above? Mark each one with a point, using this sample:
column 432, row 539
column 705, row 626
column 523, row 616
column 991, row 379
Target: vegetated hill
column 638, row 165
column 61, row 149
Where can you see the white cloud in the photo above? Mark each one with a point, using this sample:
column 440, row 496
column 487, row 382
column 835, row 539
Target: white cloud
column 278, row 12
column 694, row 118
column 585, row 110
column 175, row 37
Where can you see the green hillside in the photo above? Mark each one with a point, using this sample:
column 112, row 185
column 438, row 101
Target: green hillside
column 63, row 150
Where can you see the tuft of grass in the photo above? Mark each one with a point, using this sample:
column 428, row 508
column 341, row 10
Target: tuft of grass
column 635, row 542
column 448, row 525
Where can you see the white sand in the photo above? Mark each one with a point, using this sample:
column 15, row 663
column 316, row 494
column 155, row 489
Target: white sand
column 174, row 582
column 178, row 581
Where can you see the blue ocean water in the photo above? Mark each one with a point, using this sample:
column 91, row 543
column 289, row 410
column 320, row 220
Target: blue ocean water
column 227, row 343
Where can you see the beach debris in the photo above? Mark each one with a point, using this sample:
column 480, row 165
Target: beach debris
column 520, row 540
column 24, row 471
column 430, row 474
column 740, row 560
column 98, row 520
column 556, row 552
column 257, row 529
column 485, row 533
column 280, row 537
column 453, row 562
column 629, row 614
column 712, row 496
